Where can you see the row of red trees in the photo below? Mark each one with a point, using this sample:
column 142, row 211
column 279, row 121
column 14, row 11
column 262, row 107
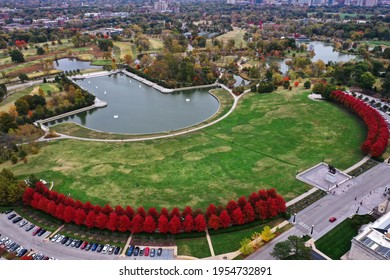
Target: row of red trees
column 378, row 133
column 261, row 205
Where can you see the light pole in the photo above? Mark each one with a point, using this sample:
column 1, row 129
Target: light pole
column 312, row 229
column 357, row 210
column 295, row 216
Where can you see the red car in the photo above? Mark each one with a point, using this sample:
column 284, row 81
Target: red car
column 146, row 252
column 85, row 243
column 332, row 219
column 36, row 231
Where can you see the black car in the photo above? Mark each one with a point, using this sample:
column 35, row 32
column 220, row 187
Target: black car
column 64, row 240
column 78, row 244
column 22, row 253
column 8, row 211
column 136, row 251
column 159, row 251
column 68, row 241
column 41, row 232
column 99, row 248
column 141, row 252
column 17, row 220
column 10, row 217
column 117, row 249
column 30, row 227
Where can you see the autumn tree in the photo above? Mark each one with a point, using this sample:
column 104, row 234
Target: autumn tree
column 224, row 219
column 101, row 221
column 141, row 211
column 90, row 219
column 200, row 223
column 124, row 223
column 188, row 223
column 174, row 225
column 149, row 225
column 186, row 211
column 267, row 234
column 137, row 223
column 163, row 226
column 175, row 212
column 249, row 213
column 238, row 217
column 129, row 212
column 69, row 214
column 214, row 222
column 11, row 189
column 245, row 247
column 113, row 221
column 231, row 206
column 153, row 213
column 79, row 216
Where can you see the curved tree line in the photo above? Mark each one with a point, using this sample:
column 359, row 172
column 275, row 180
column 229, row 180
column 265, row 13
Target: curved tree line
column 260, row 205
column 378, row 133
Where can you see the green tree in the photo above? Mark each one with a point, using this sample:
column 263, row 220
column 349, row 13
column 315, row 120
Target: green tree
column 267, row 234
column 386, row 86
column 307, row 85
column 11, row 189
column 40, row 51
column 292, row 249
column 16, row 56
column 22, row 107
column 105, row 44
column 23, row 77
column 366, row 81
column 3, row 91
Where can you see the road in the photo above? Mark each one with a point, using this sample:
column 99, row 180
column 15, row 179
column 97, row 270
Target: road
column 366, row 188
column 56, row 250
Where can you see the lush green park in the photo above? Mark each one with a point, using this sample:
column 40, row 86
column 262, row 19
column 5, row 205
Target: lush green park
column 263, row 144
column 337, row 242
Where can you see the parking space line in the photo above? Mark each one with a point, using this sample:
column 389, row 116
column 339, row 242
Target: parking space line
column 123, row 254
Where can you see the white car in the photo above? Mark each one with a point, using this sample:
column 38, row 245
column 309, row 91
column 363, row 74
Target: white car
column 22, row 223
column 59, row 238
column 55, row 237
column 105, row 248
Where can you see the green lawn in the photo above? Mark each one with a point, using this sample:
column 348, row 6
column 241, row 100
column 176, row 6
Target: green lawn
column 230, row 241
column 337, row 242
column 237, row 34
column 263, row 144
column 196, row 247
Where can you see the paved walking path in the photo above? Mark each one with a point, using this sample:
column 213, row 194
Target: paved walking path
column 123, row 254
column 210, row 243
column 356, row 165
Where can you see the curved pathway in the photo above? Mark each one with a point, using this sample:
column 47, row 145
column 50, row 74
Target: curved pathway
column 142, row 138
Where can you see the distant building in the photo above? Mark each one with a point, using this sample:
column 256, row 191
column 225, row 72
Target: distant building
column 373, row 240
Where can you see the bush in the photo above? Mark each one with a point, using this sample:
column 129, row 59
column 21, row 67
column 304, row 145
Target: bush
column 14, row 159
column 286, row 84
column 265, row 87
column 22, row 154
column 307, row 85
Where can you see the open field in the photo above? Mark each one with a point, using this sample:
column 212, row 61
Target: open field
column 264, row 143
column 337, row 242
column 377, row 43
column 196, row 247
column 237, row 34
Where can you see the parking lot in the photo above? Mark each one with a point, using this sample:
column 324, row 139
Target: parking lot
column 42, row 244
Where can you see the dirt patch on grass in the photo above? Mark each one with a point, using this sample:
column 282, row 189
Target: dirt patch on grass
column 65, row 166
column 243, row 128
column 101, row 169
column 219, row 149
column 193, row 156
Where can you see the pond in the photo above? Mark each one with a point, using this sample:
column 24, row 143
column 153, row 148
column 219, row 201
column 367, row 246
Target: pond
column 240, row 81
column 322, row 50
column 68, row 64
column 134, row 108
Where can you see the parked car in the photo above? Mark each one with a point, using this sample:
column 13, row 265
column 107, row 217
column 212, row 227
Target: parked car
column 83, row 245
column 35, row 232
column 8, row 211
column 117, row 250
column 105, row 248
column 74, row 242
column 99, row 248
column 111, row 250
column 88, row 247
column 78, row 243
column 29, row 227
column 136, row 251
column 10, row 244
column 130, row 251
column 23, row 223
column 55, row 238
column 22, row 253
column 3, row 240
column 141, row 252
column 41, row 232
column 159, row 251
column 10, row 217
column 94, row 247
column 146, row 251
column 17, row 251
column 13, row 248
column 332, row 219
column 65, row 241
column 152, row 252
column 59, row 238
column 17, row 220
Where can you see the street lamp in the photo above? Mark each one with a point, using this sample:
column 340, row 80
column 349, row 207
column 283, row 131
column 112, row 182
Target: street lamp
column 357, row 210
column 295, row 215
column 312, row 229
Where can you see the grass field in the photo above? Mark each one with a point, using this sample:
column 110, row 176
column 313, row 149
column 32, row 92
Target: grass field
column 264, row 143
column 337, row 242
column 377, row 43
column 196, row 247
column 237, row 34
